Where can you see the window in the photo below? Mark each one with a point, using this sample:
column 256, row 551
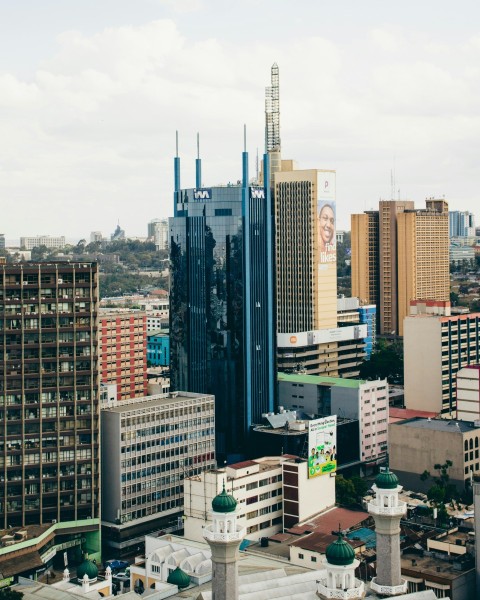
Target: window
column 313, row 558
column 300, row 555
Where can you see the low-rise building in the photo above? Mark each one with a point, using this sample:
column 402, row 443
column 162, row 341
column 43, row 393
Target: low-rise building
column 417, row 444
column 149, row 446
column 158, row 348
column 365, row 401
column 272, row 493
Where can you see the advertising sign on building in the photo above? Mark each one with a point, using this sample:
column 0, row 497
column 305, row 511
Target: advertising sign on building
column 322, row 446
column 327, row 237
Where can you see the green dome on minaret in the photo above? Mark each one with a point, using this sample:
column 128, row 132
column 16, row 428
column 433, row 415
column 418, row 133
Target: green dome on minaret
column 223, row 502
column 179, row 578
column 87, row 568
column 386, row 480
column 340, row 552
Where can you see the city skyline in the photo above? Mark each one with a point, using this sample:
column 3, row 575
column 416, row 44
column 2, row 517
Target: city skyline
column 92, row 97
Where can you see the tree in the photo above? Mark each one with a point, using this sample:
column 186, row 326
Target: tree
column 344, row 490
column 442, row 490
column 386, row 362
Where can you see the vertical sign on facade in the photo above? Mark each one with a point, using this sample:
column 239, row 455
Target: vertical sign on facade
column 322, row 445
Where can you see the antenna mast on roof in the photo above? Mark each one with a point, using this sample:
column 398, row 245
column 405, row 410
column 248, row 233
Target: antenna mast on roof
column 272, row 112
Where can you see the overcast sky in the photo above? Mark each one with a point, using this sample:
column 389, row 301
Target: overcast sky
column 92, row 91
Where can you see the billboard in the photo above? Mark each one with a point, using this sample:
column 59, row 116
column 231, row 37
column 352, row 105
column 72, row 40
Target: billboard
column 326, row 207
column 322, row 446
column 322, row 336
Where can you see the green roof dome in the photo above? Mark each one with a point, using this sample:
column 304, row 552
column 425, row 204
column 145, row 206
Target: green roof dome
column 179, row 578
column 386, row 480
column 340, row 553
column 87, row 568
column 224, row 503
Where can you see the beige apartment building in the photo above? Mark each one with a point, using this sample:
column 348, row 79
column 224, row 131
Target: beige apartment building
column 400, row 254
column 435, row 349
column 423, row 256
column 365, row 252
column 417, row 444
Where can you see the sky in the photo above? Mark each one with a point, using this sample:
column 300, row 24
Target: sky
column 92, row 92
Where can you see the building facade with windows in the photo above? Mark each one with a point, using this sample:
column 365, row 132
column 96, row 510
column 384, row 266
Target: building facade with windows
column 365, row 401
column 149, row 446
column 123, row 351
column 42, row 240
column 272, row 493
column 49, row 439
column 416, row 445
column 400, row 254
column 435, row 349
column 221, row 320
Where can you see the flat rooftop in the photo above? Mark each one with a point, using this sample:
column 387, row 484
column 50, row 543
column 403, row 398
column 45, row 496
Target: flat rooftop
column 429, row 565
column 446, row 425
column 154, row 401
column 320, row 380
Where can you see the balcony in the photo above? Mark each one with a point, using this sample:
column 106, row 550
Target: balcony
column 352, row 593
column 389, row 590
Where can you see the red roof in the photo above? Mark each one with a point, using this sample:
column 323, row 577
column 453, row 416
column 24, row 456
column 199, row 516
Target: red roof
column 329, row 521
column 401, row 414
column 242, row 465
column 319, row 542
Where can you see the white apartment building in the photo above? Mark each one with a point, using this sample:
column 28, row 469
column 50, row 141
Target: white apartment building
column 367, row 402
column 149, row 445
column 42, row 240
column 272, row 493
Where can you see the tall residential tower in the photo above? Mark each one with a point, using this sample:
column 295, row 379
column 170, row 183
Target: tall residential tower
column 400, row 254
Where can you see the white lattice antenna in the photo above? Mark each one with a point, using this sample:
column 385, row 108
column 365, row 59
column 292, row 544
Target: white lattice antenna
column 272, row 111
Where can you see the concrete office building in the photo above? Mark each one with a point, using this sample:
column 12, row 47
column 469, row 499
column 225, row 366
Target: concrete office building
column 416, row 445
column 123, row 351
column 400, row 254
column 461, row 224
column 42, row 240
column 222, row 336
column 149, row 446
column 49, row 441
column 158, row 233
column 468, row 393
column 435, row 349
column 351, row 310
column 365, row 401
column 272, row 493
column 307, row 334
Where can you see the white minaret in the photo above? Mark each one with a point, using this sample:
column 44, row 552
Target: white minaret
column 224, row 536
column 387, row 510
column 340, row 582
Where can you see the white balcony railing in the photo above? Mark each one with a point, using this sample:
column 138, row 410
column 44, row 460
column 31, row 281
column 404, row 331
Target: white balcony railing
column 389, row 590
column 356, row 592
column 393, row 511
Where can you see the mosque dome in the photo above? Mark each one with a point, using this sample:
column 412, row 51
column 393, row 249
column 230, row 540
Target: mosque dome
column 386, row 480
column 223, row 502
column 87, row 568
column 179, row 578
column 340, row 553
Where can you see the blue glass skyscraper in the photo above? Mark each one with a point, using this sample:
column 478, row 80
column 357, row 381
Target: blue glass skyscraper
column 222, row 334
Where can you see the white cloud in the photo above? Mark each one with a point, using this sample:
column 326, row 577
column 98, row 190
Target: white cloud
column 90, row 137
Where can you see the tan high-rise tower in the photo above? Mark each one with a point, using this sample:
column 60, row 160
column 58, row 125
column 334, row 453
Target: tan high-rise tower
column 306, row 269
column 400, row 254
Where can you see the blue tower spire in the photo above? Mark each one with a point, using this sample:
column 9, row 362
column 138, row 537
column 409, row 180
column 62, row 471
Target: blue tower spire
column 198, row 165
column 176, row 170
